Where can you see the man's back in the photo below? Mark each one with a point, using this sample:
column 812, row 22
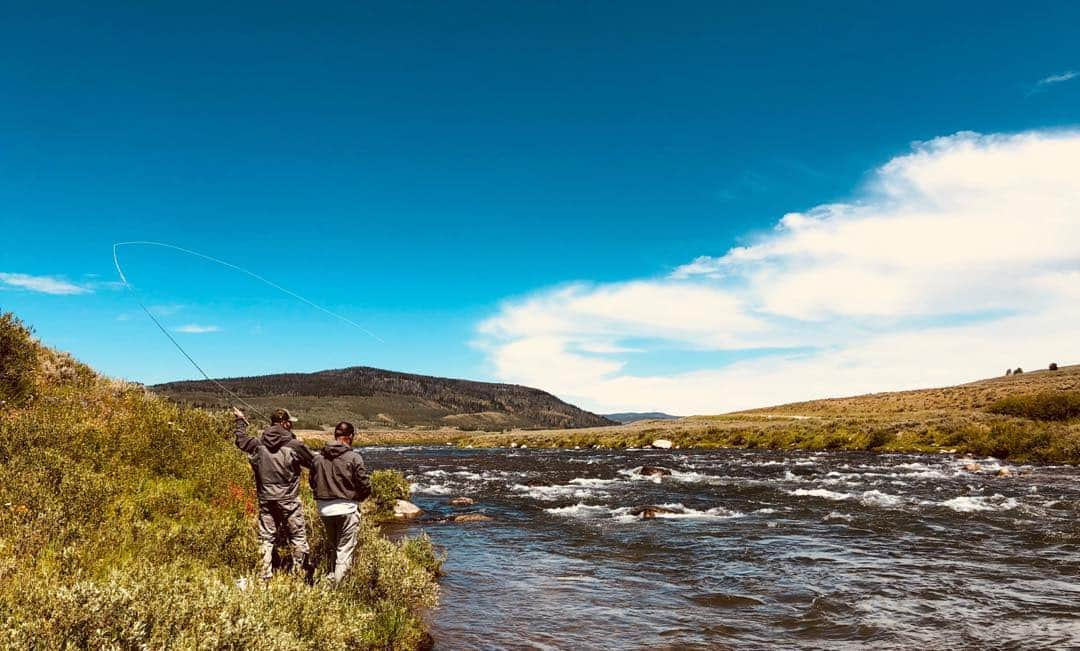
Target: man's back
column 338, row 473
column 276, row 458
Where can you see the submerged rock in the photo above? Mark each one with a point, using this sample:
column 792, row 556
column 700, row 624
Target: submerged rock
column 406, row 510
column 654, row 471
column 471, row 517
column 662, row 444
column 462, row 501
column 973, row 467
column 650, row 512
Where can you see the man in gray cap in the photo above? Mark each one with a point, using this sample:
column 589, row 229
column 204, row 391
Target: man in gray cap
column 276, row 458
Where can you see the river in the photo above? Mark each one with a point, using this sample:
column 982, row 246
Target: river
column 759, row 549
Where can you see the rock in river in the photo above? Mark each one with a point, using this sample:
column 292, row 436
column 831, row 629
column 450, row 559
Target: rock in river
column 405, row 510
column 462, row 501
column 654, row 471
column 471, row 517
column 650, row 512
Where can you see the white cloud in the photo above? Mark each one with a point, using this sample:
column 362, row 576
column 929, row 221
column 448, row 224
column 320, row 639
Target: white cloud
column 196, row 329
column 43, row 284
column 1057, row 79
column 958, row 260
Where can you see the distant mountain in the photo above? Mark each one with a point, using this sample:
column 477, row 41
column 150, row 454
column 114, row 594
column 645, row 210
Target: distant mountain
column 371, row 398
column 635, row 416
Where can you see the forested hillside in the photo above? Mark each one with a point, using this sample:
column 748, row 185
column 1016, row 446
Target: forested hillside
column 375, row 397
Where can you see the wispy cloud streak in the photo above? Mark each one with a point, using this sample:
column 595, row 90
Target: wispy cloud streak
column 1057, row 79
column 43, row 284
column 196, row 329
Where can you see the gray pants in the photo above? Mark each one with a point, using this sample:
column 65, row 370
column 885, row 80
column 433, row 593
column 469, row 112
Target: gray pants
column 341, row 534
column 288, row 516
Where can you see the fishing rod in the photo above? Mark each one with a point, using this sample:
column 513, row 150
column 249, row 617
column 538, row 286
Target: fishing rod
column 165, row 331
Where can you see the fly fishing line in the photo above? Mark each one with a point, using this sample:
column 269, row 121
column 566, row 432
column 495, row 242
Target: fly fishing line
column 165, row 331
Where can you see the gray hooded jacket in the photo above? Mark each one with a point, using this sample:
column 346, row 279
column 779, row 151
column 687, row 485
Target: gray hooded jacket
column 338, row 473
column 276, row 458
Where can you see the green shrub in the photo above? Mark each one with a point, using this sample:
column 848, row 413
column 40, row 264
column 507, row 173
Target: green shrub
column 18, row 360
column 422, row 551
column 1049, row 405
column 387, row 486
column 158, row 607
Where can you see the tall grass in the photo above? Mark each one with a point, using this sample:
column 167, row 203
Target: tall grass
column 127, row 522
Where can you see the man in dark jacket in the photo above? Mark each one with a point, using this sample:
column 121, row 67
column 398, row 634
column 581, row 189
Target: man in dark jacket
column 276, row 457
column 339, row 480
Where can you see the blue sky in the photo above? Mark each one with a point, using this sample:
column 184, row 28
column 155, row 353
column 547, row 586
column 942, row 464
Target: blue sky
column 425, row 168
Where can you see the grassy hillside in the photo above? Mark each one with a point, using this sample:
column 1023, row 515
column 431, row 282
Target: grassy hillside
column 377, row 399
column 1034, row 416
column 126, row 522
column 964, row 397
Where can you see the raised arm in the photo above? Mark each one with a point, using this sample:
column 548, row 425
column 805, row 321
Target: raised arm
column 243, row 441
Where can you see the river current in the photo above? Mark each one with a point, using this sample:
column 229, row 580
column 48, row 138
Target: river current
column 750, row 549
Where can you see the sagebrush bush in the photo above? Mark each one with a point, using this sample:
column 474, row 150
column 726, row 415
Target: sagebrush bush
column 126, row 522
column 1048, row 405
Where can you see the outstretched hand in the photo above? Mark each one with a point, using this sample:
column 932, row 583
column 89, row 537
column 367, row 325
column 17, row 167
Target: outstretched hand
column 239, row 414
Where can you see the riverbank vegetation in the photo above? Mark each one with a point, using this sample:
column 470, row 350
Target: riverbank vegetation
column 127, row 522
column 1034, row 416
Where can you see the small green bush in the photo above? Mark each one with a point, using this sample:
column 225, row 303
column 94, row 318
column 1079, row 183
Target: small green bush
column 18, row 360
column 422, row 551
column 387, row 487
column 1049, row 405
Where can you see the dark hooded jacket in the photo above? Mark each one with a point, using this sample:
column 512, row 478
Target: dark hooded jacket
column 276, row 458
column 338, row 473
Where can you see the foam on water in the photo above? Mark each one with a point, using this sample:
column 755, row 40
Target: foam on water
column 579, row 510
column 635, row 474
column 820, row 492
column 623, row 514
column 836, row 515
column 592, row 482
column 553, row 492
column 866, row 498
column 877, row 498
column 970, row 504
column 430, row 489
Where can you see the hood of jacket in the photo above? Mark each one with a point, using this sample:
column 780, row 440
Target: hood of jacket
column 276, row 436
column 335, row 449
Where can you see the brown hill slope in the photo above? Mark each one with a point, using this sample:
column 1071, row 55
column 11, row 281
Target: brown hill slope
column 974, row 395
column 1033, row 416
column 375, row 398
